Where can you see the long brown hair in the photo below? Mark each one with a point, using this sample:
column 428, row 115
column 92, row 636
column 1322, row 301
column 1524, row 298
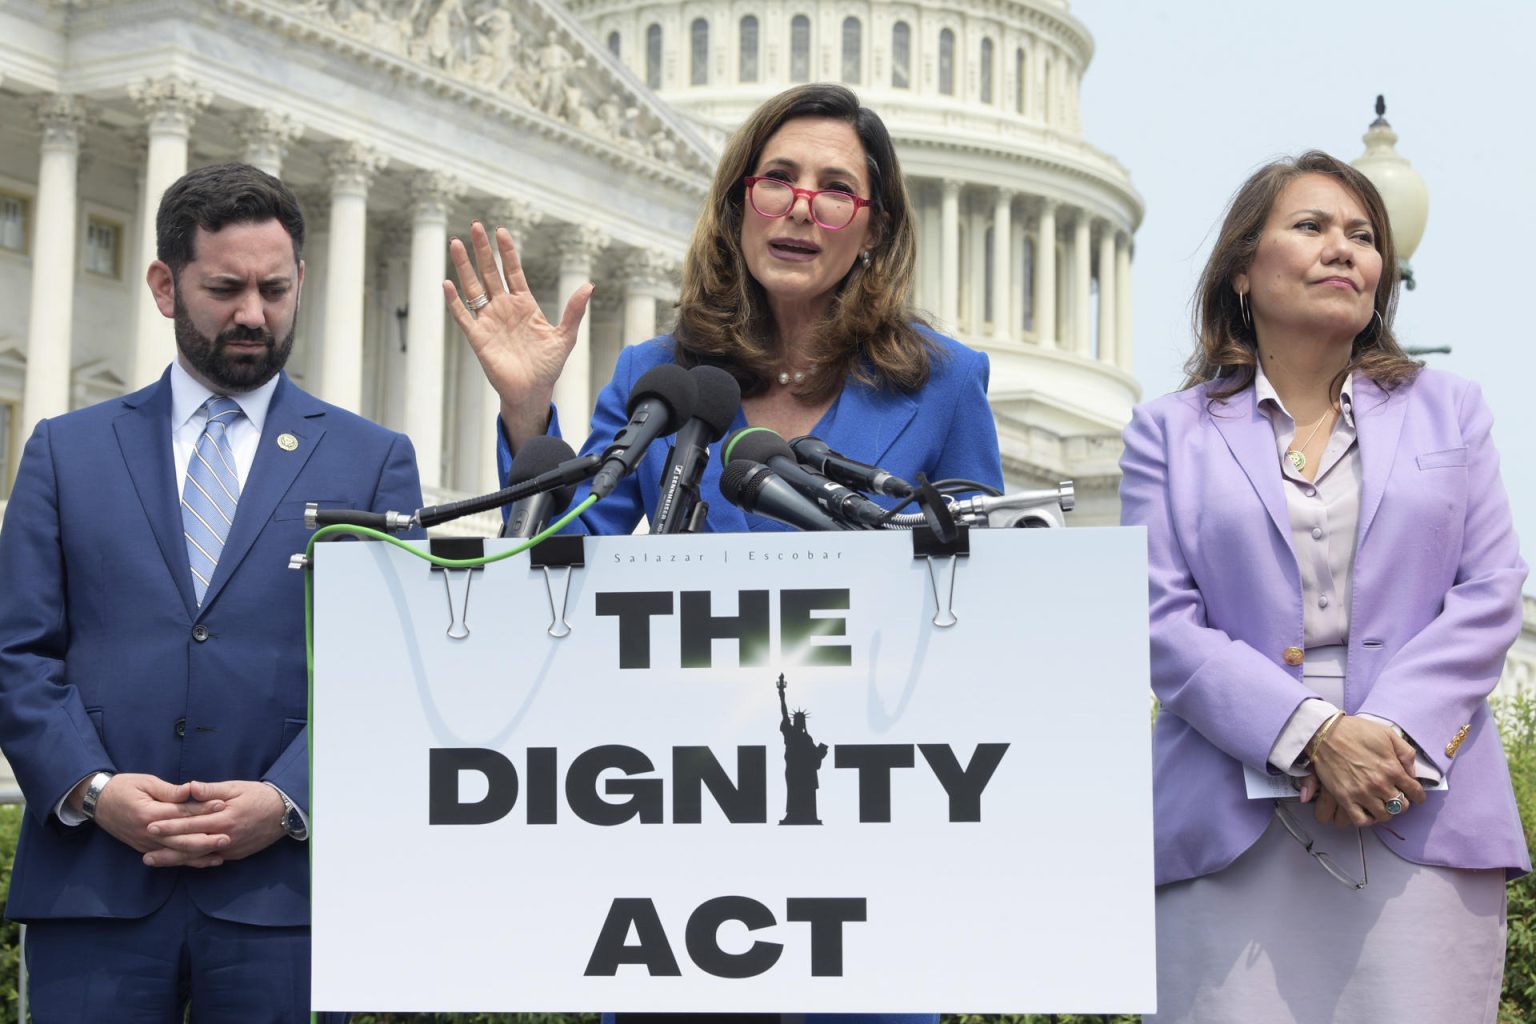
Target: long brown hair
column 1226, row 347
column 871, row 329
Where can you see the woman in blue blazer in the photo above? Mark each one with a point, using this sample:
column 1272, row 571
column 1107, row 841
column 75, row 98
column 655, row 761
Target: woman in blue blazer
column 796, row 283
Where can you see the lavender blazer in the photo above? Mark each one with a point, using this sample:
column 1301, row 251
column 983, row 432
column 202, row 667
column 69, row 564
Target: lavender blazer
column 1436, row 605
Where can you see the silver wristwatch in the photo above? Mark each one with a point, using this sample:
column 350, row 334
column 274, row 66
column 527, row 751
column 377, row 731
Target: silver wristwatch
column 93, row 793
column 292, row 821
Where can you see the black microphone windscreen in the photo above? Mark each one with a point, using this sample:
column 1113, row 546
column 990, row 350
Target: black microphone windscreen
column 673, row 385
column 733, row 480
column 540, row 455
column 757, row 444
column 719, row 399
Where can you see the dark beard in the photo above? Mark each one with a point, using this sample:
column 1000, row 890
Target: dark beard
column 231, row 373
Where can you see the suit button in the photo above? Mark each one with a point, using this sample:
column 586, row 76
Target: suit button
column 200, row 632
column 1456, row 741
column 181, row 727
column 1294, row 655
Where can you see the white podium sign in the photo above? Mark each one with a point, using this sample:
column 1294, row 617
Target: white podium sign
column 626, row 818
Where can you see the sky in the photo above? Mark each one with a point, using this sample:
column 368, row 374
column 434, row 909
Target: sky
column 1193, row 95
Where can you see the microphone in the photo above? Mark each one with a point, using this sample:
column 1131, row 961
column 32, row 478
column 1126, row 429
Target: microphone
column 530, row 515
column 812, row 451
column 756, row 488
column 661, row 401
column 719, row 399
column 759, row 444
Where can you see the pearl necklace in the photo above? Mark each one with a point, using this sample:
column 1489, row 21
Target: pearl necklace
column 1294, row 454
column 797, row 377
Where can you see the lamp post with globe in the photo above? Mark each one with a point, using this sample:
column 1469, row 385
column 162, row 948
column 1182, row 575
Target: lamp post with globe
column 1402, row 190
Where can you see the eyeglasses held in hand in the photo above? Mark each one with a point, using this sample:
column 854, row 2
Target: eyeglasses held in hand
column 831, row 208
column 1321, row 856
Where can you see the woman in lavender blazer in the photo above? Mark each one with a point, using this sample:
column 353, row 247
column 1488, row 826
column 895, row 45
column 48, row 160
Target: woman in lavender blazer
column 1334, row 584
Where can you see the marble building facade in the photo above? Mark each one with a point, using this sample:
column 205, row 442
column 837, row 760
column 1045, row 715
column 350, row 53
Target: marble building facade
column 590, row 130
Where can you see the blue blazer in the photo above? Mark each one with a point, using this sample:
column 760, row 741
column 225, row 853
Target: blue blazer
column 107, row 662
column 945, row 430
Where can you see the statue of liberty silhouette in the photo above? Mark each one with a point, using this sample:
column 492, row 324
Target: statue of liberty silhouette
column 802, row 763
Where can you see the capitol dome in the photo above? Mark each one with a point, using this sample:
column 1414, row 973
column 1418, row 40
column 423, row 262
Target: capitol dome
column 982, row 99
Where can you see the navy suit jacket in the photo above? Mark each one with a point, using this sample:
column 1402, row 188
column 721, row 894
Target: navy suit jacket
column 108, row 663
column 945, row 429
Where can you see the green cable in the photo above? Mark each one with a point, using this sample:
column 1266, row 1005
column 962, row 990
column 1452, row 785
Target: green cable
column 309, row 623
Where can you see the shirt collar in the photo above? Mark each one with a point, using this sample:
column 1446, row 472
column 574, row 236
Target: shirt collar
column 1264, row 392
column 188, row 395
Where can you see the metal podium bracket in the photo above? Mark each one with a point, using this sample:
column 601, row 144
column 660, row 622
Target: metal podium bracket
column 557, row 556
column 942, row 558
column 457, row 549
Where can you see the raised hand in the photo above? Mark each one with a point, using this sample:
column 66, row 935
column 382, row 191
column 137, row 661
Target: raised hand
column 521, row 352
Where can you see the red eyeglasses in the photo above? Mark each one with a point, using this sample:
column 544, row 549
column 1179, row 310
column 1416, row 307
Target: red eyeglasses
column 831, row 208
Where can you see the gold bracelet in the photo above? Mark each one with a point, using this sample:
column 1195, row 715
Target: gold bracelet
column 1322, row 733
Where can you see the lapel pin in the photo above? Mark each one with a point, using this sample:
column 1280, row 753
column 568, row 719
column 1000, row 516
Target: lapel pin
column 287, row 442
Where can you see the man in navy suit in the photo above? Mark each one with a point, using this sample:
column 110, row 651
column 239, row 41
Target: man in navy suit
column 152, row 663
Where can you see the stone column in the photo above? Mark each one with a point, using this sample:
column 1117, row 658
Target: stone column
column 647, row 280
column 519, row 218
column 304, row 366
column 50, row 319
column 352, row 167
column 1045, row 276
column 949, row 255
column 170, row 105
column 472, row 423
column 1123, row 301
column 973, row 286
column 267, row 135
column 930, row 227
column 1002, row 270
column 1082, row 285
column 1109, row 297
column 1021, row 284
column 431, row 194
column 579, row 246
column 392, row 295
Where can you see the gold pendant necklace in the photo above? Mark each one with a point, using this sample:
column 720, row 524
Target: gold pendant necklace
column 1294, row 454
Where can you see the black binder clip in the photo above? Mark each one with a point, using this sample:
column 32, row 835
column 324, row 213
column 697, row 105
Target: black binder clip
column 457, row 549
column 941, row 543
column 557, row 556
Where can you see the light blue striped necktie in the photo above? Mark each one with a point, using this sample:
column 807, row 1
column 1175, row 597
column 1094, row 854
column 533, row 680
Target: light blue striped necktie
column 212, row 490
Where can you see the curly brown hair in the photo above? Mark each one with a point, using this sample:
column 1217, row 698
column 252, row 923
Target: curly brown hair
column 1226, row 347
column 871, row 331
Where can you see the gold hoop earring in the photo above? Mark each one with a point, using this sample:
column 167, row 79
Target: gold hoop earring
column 1242, row 306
